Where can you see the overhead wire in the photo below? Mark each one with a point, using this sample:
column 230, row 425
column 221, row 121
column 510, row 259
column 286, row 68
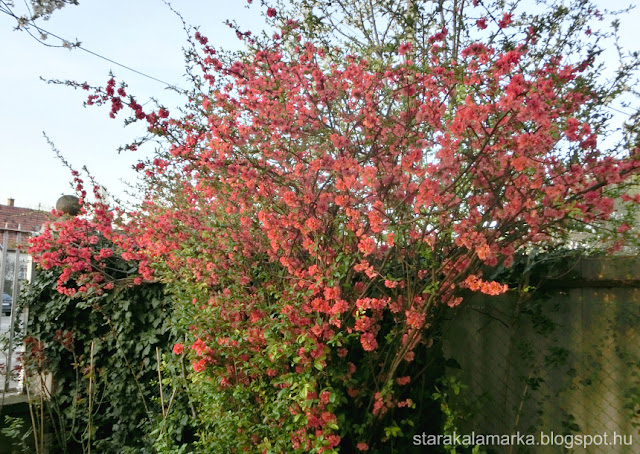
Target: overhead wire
column 24, row 24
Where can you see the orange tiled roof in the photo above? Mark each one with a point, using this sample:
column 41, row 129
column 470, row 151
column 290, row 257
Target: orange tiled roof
column 26, row 219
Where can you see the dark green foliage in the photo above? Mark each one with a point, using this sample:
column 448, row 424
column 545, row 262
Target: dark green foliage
column 125, row 327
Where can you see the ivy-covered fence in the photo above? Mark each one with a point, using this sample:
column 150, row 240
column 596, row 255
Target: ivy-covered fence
column 562, row 361
column 107, row 355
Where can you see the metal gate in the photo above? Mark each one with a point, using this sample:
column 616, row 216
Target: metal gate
column 16, row 270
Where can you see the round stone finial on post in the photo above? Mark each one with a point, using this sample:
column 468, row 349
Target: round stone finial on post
column 68, row 204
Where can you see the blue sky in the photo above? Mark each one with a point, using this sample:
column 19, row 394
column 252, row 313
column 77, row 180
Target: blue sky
column 143, row 34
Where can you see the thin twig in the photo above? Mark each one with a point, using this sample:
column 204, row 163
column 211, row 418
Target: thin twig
column 160, row 382
column 33, row 418
column 90, row 398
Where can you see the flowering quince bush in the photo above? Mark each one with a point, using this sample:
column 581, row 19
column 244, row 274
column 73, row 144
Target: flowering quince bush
column 86, row 248
column 315, row 210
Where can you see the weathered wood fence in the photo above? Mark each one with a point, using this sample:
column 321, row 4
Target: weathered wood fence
column 565, row 361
